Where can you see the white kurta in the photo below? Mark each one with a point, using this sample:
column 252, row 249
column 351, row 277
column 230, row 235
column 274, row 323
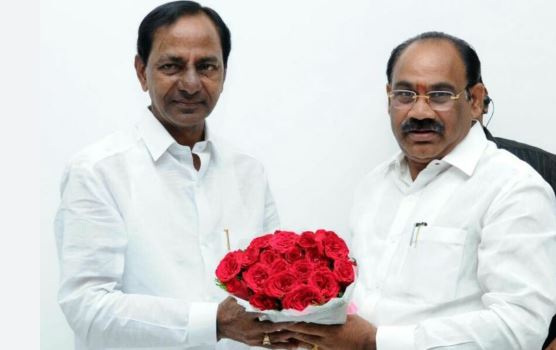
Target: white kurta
column 481, row 274
column 139, row 234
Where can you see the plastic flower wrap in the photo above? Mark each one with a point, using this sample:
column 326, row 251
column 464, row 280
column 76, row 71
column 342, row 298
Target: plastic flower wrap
column 286, row 276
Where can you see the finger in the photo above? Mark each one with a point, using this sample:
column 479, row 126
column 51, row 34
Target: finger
column 277, row 337
column 309, row 328
column 270, row 327
column 232, row 304
column 282, row 336
column 307, row 338
column 252, row 315
column 288, row 346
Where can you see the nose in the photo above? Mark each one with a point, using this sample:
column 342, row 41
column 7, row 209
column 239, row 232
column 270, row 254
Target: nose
column 421, row 109
column 190, row 82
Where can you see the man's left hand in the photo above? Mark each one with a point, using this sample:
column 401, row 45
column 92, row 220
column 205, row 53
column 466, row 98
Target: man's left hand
column 355, row 334
column 235, row 323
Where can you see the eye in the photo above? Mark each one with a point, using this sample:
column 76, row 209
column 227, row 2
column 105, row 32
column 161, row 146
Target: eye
column 169, row 68
column 207, row 67
column 403, row 96
column 440, row 96
column 403, row 93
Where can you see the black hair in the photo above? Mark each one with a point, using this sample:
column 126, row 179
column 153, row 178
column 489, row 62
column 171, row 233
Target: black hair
column 168, row 14
column 467, row 54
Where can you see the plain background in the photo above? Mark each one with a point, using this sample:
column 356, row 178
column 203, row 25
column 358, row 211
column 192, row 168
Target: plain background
column 19, row 185
column 305, row 93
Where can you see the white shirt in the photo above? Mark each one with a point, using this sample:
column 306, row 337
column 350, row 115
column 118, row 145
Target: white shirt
column 480, row 275
column 140, row 232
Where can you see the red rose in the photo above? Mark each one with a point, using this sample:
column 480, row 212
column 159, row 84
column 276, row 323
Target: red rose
column 279, row 284
column 250, row 256
column 279, row 265
column 267, row 257
column 263, row 302
column 282, row 241
column 230, row 266
column 326, row 282
column 307, row 240
column 301, row 297
column 260, row 242
column 237, row 288
column 322, row 265
column 302, row 269
column 335, row 247
column 315, row 256
column 293, row 254
column 255, row 277
column 320, row 235
column 343, row 270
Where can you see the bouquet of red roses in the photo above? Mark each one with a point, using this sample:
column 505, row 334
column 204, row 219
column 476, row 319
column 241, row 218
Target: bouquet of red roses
column 291, row 277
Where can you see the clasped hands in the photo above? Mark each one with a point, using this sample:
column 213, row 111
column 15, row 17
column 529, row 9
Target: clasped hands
column 235, row 323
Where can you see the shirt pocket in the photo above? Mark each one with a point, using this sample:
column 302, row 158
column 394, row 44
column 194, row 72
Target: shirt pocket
column 432, row 264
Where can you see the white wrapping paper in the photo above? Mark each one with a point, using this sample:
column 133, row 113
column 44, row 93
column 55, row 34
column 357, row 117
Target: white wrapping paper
column 333, row 312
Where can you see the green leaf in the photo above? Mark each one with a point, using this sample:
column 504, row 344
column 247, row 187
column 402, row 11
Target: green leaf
column 220, row 284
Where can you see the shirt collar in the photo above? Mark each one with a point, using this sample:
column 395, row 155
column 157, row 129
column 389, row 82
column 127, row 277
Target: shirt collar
column 397, row 162
column 465, row 156
column 158, row 139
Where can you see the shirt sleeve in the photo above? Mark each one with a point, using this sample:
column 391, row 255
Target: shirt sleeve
column 91, row 241
column 516, row 271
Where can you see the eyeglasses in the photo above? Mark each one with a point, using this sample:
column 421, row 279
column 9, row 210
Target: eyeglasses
column 440, row 101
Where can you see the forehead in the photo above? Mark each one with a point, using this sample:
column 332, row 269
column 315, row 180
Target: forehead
column 190, row 34
column 430, row 62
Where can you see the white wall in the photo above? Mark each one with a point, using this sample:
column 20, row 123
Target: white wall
column 305, row 92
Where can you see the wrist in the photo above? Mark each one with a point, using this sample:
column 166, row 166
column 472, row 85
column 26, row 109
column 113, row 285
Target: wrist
column 219, row 326
column 370, row 339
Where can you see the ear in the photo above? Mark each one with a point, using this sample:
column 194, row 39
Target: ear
column 388, row 90
column 478, row 93
column 140, row 70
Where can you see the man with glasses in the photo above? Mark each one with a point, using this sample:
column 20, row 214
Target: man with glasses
column 454, row 238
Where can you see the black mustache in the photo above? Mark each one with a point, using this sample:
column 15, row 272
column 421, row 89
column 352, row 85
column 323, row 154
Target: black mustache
column 413, row 124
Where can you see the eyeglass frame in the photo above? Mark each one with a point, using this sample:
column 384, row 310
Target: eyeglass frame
column 416, row 96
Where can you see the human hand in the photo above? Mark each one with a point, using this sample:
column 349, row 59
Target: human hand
column 355, row 334
column 233, row 322
column 552, row 345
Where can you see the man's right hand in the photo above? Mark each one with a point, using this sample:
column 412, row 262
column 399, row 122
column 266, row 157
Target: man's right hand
column 233, row 322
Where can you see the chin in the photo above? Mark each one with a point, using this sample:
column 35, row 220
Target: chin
column 421, row 156
column 186, row 119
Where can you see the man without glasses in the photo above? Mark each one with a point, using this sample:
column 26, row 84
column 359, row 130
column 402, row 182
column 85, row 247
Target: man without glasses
column 140, row 228
column 455, row 239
